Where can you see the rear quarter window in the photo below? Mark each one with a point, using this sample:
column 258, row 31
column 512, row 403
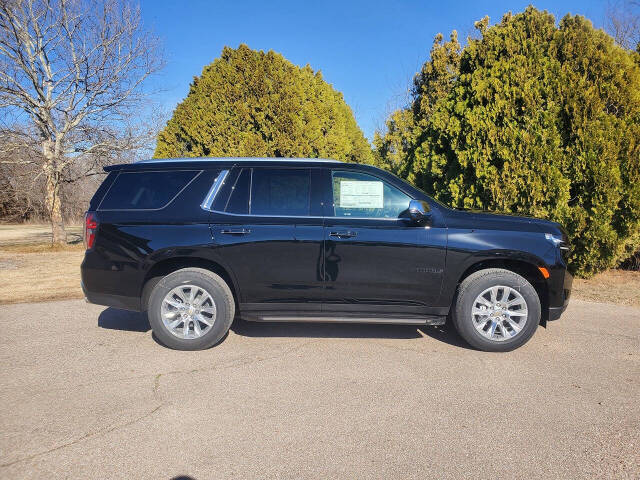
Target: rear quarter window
column 146, row 190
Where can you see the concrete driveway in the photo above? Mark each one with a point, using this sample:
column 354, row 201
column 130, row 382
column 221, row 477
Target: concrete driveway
column 87, row 393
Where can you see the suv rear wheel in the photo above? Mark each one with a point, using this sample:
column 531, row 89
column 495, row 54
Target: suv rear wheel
column 496, row 310
column 191, row 309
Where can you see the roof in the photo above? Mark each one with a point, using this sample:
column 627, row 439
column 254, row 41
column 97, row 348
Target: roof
column 171, row 163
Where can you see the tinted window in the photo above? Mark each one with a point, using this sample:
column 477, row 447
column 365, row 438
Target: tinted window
column 145, row 190
column 239, row 198
column 361, row 195
column 280, row 191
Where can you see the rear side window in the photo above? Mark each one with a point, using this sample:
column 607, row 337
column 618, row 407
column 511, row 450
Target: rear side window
column 280, row 191
column 146, row 190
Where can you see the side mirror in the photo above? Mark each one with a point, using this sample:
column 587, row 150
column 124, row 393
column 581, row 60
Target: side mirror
column 419, row 212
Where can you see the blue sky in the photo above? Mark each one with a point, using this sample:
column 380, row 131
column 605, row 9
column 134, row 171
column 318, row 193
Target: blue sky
column 368, row 50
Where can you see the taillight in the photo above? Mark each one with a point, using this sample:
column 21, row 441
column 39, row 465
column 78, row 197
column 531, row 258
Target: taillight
column 90, row 227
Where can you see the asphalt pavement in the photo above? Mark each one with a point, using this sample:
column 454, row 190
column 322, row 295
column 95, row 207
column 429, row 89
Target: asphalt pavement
column 87, row 393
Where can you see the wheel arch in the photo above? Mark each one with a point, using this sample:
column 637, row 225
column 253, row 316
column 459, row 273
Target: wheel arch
column 164, row 267
column 526, row 269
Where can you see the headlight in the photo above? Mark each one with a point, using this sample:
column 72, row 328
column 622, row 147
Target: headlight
column 557, row 241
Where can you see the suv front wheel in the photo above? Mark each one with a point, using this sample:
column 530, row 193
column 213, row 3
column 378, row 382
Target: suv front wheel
column 191, row 309
column 496, row 310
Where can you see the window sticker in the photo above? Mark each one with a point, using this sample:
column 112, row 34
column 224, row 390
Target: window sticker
column 358, row 194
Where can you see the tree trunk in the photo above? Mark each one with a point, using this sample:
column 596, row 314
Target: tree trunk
column 53, row 204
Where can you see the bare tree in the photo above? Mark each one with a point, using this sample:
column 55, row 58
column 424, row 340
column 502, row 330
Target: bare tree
column 71, row 72
column 623, row 22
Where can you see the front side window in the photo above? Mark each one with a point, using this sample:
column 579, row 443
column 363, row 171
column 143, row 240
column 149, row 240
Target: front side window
column 365, row 196
column 149, row 190
column 280, row 191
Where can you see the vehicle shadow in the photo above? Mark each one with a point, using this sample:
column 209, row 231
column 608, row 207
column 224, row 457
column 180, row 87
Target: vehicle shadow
column 443, row 333
column 116, row 319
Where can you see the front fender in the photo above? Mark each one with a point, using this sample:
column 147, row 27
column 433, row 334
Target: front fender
column 469, row 247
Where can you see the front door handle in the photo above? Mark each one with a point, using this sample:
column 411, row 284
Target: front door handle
column 242, row 231
column 348, row 234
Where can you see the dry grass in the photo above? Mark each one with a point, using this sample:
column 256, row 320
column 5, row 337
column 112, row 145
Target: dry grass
column 40, row 274
column 22, row 234
column 613, row 286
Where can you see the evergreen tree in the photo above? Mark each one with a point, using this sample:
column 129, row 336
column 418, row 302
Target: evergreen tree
column 530, row 118
column 256, row 104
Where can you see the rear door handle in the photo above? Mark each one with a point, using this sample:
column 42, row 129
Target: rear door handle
column 348, row 234
column 242, row 231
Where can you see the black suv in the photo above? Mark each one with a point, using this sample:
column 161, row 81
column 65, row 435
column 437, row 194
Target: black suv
column 196, row 241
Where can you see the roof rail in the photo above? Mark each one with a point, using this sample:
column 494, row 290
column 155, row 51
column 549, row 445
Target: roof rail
column 238, row 159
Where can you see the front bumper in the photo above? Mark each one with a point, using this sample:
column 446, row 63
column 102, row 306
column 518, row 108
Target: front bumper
column 559, row 296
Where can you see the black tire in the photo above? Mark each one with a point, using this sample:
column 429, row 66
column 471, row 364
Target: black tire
column 474, row 285
column 212, row 284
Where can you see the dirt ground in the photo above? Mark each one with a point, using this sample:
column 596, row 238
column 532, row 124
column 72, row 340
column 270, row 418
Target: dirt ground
column 613, row 286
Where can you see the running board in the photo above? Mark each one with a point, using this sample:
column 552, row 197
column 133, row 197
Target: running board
column 426, row 320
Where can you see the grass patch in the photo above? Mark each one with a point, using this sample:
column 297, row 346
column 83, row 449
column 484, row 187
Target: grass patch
column 42, row 248
column 37, row 234
column 40, row 273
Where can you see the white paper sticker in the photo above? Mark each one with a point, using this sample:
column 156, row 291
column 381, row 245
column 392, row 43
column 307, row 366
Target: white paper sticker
column 357, row 194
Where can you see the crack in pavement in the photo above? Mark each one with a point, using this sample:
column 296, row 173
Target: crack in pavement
column 237, row 363
column 155, row 389
column 231, row 364
column 85, row 437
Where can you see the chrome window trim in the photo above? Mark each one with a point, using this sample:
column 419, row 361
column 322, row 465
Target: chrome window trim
column 303, row 216
column 213, row 191
column 217, row 185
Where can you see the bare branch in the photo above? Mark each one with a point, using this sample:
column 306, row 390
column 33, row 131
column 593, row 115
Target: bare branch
column 76, row 68
column 623, row 22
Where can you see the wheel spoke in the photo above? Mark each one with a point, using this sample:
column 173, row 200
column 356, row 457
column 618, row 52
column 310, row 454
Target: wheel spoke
column 192, row 294
column 483, row 301
column 506, row 291
column 196, row 328
column 504, row 331
column 204, row 320
column 492, row 328
column 174, row 324
column 173, row 303
column 479, row 311
column 201, row 299
column 482, row 323
column 516, row 328
column 518, row 313
column 515, row 302
column 494, row 294
column 185, row 329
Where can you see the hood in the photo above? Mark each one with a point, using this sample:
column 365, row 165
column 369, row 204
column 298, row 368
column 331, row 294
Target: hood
column 494, row 221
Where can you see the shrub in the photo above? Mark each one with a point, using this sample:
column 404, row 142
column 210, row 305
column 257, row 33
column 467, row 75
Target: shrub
column 252, row 103
column 530, row 118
